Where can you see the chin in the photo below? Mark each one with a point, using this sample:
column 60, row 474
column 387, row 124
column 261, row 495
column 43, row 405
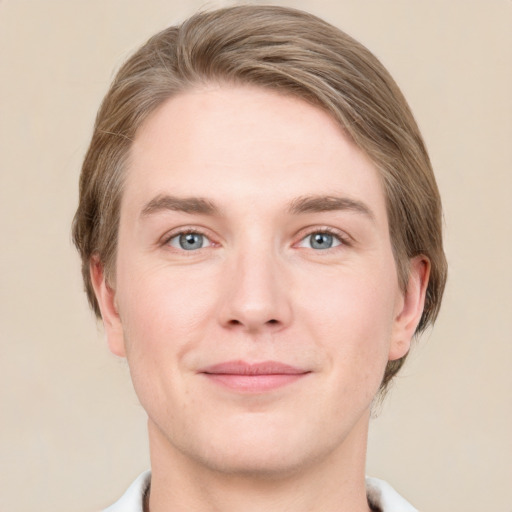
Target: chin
column 263, row 449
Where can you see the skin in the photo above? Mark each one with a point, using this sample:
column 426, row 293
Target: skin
column 257, row 290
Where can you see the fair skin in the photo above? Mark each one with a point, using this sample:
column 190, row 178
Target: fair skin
column 257, row 302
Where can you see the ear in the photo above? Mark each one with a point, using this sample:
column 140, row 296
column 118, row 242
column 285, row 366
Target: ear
column 105, row 295
column 410, row 307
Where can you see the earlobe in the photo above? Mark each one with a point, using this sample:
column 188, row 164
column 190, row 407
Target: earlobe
column 411, row 307
column 105, row 295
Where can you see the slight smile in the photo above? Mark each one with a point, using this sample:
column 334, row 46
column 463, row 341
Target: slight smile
column 253, row 377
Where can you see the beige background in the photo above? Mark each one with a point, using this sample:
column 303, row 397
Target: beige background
column 72, row 433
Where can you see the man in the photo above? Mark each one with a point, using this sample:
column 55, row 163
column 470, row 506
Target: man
column 260, row 231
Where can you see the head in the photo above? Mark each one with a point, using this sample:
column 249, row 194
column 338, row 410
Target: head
column 294, row 54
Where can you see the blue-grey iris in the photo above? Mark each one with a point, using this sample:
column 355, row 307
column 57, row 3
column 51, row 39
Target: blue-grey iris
column 321, row 240
column 191, row 241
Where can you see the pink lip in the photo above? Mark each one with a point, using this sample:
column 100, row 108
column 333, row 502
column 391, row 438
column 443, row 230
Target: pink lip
column 253, row 377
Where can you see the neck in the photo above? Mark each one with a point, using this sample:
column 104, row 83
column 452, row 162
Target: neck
column 333, row 482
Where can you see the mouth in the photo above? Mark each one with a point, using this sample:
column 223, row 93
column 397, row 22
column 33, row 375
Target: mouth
column 246, row 377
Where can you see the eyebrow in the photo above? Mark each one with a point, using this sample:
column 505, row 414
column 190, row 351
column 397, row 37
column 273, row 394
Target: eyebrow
column 300, row 205
column 194, row 205
column 314, row 204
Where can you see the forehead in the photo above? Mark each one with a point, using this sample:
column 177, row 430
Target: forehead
column 246, row 144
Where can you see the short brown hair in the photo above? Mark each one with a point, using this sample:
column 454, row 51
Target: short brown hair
column 291, row 52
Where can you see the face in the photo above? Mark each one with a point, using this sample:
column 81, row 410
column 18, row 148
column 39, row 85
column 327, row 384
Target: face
column 256, row 296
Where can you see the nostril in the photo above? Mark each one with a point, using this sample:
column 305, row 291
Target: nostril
column 234, row 322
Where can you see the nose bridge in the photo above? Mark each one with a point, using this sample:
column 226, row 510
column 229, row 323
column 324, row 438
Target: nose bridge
column 256, row 296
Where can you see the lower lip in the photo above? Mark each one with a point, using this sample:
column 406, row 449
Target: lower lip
column 254, row 383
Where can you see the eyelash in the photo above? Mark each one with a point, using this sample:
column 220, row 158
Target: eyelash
column 342, row 238
column 186, row 231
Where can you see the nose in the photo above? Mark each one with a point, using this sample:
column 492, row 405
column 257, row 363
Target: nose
column 256, row 293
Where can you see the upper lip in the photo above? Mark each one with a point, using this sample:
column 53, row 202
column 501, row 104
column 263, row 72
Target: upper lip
column 245, row 368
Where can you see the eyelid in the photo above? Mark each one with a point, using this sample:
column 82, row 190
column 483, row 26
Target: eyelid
column 345, row 239
column 183, row 230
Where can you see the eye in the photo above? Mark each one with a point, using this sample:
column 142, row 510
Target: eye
column 320, row 240
column 189, row 241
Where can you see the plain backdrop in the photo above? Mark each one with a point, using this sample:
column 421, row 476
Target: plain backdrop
column 72, row 433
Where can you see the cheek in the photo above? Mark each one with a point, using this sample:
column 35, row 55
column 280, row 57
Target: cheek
column 351, row 315
column 163, row 318
column 162, row 309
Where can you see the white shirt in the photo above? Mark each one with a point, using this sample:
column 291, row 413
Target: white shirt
column 380, row 495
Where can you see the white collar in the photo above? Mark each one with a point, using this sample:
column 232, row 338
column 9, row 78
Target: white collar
column 380, row 495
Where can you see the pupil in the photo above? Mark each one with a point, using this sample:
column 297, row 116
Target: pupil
column 321, row 241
